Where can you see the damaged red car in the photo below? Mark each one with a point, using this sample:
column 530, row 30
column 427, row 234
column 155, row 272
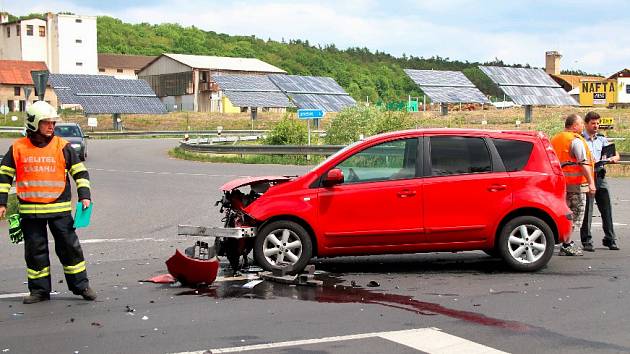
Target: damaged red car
column 426, row 190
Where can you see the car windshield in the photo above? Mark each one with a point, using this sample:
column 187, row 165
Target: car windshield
column 71, row 131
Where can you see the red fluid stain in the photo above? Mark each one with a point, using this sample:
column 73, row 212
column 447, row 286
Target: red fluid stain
column 331, row 293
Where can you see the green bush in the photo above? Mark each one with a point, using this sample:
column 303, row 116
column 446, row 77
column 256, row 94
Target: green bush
column 350, row 123
column 288, row 131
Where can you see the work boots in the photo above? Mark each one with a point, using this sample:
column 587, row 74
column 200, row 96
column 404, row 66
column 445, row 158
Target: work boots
column 35, row 297
column 88, row 294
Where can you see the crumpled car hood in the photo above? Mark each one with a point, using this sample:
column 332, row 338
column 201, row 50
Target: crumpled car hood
column 240, row 182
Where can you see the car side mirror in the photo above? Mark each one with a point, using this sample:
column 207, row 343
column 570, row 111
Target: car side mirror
column 333, row 177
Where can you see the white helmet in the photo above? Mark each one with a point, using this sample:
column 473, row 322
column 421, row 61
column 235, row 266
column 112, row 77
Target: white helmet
column 39, row 110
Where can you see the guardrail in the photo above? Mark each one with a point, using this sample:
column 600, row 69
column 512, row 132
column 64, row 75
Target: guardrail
column 261, row 149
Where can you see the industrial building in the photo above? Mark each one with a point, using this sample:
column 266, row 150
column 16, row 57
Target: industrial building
column 66, row 43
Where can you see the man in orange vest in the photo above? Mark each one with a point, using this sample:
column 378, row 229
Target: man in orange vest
column 40, row 163
column 577, row 163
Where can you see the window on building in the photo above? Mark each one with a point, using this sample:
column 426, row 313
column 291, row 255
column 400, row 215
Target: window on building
column 78, row 20
column 101, row 70
column 8, row 31
column 18, row 29
column 42, row 31
column 29, row 30
column 79, row 63
column 17, row 91
column 79, row 41
column 119, row 70
column 628, row 89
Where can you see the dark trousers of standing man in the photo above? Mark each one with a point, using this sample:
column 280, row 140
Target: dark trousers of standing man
column 602, row 197
column 67, row 248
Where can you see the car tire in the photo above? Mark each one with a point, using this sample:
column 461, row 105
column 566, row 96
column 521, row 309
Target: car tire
column 526, row 243
column 280, row 243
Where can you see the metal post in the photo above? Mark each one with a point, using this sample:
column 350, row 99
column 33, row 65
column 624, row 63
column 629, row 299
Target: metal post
column 308, row 124
column 528, row 114
column 424, row 103
column 444, row 108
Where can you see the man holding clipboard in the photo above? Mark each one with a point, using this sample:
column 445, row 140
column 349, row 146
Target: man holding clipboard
column 604, row 153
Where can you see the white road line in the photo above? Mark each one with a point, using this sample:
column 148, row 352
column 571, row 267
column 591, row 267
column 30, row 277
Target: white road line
column 428, row 340
column 614, row 224
column 119, row 240
column 9, row 296
column 163, row 173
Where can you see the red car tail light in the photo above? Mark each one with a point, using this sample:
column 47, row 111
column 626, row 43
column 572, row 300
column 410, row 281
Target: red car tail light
column 551, row 154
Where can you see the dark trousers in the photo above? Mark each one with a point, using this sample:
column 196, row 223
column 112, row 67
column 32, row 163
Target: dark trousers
column 67, row 248
column 602, row 197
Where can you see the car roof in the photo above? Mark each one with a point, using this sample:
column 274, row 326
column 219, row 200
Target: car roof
column 65, row 124
column 455, row 131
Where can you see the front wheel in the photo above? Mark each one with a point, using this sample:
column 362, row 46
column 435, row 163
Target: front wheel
column 526, row 243
column 282, row 243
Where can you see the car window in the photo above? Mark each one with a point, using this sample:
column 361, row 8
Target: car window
column 452, row 155
column 67, row 131
column 514, row 153
column 387, row 161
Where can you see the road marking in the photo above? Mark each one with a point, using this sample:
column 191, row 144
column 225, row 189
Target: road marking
column 427, row 340
column 164, row 173
column 10, row 296
column 118, row 240
column 614, row 224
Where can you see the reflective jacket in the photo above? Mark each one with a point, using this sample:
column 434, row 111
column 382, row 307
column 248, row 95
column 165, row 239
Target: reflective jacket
column 561, row 143
column 41, row 174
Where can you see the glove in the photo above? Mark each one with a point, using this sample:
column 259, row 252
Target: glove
column 15, row 231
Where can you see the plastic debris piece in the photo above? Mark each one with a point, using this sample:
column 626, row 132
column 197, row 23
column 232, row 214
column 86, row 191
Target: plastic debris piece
column 144, row 318
column 129, row 309
column 373, row 284
column 161, row 279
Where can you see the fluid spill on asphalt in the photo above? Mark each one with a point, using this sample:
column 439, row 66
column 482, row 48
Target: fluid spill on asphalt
column 333, row 292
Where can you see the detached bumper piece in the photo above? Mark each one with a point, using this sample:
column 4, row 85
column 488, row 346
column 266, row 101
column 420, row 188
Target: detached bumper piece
column 227, row 232
column 191, row 271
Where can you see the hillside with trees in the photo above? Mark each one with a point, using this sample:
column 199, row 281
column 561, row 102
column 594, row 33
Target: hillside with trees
column 362, row 73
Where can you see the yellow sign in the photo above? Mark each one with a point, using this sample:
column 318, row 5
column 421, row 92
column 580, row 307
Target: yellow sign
column 598, row 93
column 606, row 123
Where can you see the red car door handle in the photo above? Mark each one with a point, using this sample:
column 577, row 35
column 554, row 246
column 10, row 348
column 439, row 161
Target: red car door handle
column 497, row 187
column 406, row 193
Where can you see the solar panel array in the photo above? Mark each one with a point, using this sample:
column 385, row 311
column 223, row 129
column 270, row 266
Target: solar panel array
column 528, row 87
column 252, row 91
column 446, row 86
column 102, row 94
column 313, row 92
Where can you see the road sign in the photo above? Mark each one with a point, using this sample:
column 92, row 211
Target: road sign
column 40, row 79
column 310, row 113
column 92, row 122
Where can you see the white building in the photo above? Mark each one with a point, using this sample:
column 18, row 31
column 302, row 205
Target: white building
column 66, row 43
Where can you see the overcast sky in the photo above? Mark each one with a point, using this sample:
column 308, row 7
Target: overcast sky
column 593, row 36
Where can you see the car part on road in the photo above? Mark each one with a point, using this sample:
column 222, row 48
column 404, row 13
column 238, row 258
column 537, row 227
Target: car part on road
column 191, row 271
column 281, row 275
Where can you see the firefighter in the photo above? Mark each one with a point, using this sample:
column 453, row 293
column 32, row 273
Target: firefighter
column 40, row 163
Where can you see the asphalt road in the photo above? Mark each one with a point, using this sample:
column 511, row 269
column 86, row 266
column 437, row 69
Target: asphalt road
column 575, row 305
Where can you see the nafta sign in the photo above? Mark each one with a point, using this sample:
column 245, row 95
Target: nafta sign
column 598, row 93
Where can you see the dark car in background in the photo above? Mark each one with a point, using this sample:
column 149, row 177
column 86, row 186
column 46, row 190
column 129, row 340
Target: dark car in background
column 74, row 135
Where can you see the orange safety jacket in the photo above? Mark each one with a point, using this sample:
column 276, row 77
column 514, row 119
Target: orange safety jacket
column 561, row 143
column 40, row 173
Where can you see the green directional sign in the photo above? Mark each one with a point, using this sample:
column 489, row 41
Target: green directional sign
column 40, row 79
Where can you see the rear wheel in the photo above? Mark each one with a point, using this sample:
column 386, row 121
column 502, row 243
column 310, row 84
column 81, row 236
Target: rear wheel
column 282, row 243
column 526, row 243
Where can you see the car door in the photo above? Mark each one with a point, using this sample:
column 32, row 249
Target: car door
column 465, row 189
column 380, row 201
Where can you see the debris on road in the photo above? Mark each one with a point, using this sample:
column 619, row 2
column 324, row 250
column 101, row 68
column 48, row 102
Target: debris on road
column 373, row 284
column 193, row 271
column 161, row 279
column 280, row 275
column 129, row 309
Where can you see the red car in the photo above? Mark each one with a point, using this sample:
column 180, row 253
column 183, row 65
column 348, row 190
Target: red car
column 424, row 190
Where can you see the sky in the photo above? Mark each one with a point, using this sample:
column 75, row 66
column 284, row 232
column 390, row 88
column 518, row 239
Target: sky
column 593, row 36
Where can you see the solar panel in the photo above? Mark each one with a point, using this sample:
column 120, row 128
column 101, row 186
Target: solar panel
column 252, row 91
column 313, row 92
column 106, row 94
column 446, row 86
column 529, row 87
column 258, row 99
